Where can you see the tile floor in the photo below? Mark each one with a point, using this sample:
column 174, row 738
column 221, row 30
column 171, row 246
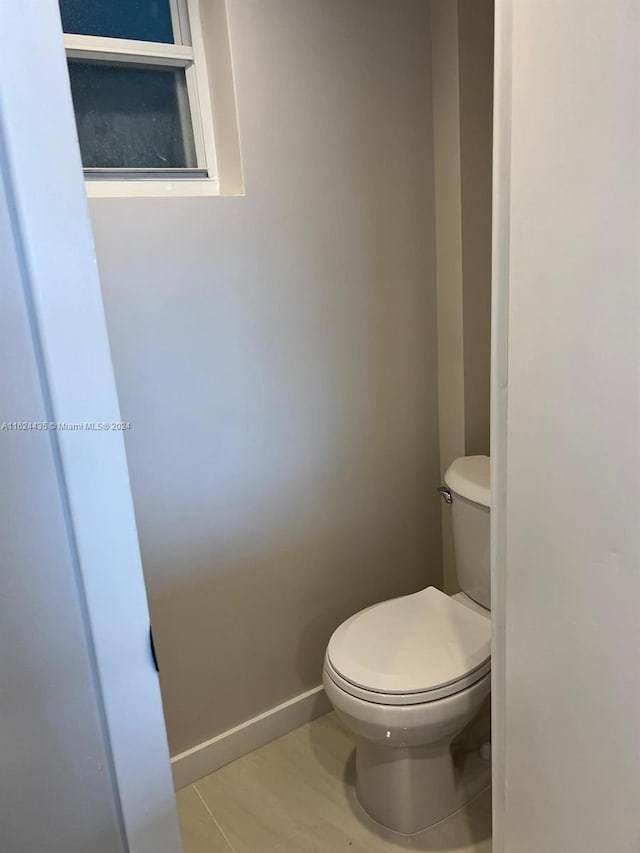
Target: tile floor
column 295, row 795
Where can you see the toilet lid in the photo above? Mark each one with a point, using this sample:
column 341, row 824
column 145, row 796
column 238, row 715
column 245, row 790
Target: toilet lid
column 413, row 644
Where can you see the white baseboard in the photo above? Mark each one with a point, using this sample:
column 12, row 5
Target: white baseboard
column 200, row 760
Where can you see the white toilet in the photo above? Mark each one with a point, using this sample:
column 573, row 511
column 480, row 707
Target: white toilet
column 407, row 675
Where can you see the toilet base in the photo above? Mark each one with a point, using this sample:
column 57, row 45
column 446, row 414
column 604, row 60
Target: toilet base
column 408, row 789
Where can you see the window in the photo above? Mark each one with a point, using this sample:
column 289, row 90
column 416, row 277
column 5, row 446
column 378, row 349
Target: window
column 140, row 92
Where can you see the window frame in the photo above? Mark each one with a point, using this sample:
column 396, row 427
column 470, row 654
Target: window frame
column 186, row 52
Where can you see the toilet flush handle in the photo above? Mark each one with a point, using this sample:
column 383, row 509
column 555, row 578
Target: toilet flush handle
column 445, row 494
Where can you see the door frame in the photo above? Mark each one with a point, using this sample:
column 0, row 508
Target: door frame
column 499, row 402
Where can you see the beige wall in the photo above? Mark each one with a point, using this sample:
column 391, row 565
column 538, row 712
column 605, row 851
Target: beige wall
column 276, row 355
column 462, row 56
column 448, row 205
column 475, row 52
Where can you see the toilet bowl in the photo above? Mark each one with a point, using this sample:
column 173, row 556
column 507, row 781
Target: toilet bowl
column 409, row 674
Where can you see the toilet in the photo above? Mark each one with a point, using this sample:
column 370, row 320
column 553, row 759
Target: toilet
column 409, row 674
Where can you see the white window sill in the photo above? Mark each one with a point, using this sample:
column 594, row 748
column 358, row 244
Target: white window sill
column 152, row 188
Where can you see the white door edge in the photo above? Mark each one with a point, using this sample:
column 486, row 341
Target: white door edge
column 42, row 164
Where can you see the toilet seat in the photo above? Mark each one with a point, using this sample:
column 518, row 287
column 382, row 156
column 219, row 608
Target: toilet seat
column 416, row 698
column 410, row 650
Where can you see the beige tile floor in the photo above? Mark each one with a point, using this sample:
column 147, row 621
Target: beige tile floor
column 295, row 795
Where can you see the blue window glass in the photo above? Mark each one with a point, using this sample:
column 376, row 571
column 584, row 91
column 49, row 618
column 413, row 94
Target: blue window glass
column 130, row 117
column 142, row 20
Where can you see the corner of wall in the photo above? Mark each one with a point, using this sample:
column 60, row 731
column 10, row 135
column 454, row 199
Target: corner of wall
column 448, row 206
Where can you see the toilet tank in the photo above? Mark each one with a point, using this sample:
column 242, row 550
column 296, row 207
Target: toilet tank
column 467, row 479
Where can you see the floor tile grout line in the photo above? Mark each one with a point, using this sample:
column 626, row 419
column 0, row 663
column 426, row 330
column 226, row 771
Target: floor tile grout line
column 213, row 818
column 287, row 832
